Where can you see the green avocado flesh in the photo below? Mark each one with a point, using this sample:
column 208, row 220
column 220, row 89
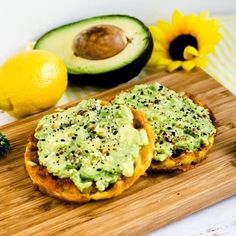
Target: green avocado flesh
column 178, row 123
column 137, row 50
column 91, row 144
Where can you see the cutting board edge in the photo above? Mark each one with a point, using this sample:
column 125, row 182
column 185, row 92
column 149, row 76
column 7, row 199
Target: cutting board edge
column 147, row 79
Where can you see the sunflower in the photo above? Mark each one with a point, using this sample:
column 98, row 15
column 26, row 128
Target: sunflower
column 184, row 42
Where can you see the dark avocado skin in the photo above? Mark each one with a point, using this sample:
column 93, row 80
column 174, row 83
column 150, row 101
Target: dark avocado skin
column 115, row 77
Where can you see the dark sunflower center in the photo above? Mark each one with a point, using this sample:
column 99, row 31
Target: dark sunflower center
column 177, row 46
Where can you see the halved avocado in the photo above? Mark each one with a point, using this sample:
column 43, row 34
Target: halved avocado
column 104, row 50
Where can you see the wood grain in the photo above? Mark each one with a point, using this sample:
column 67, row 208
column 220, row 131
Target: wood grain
column 151, row 203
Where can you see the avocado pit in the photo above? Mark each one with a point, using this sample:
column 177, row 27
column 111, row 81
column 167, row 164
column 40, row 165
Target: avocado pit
column 99, row 42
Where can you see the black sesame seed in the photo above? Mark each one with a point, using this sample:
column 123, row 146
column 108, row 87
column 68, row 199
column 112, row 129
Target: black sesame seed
column 160, row 88
column 115, row 132
column 81, row 112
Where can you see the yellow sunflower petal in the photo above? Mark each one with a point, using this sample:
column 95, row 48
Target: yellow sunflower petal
column 158, row 35
column 190, row 52
column 188, row 65
column 153, row 60
column 153, row 29
column 177, row 18
column 153, row 69
column 164, row 61
column 174, row 65
column 201, row 61
column 204, row 30
column 159, row 47
column 189, row 24
column 159, row 59
column 166, row 28
column 208, row 32
column 206, row 49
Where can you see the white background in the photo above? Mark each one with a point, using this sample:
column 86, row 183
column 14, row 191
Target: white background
column 25, row 20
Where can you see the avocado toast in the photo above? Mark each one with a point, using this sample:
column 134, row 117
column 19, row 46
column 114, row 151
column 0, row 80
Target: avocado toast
column 91, row 151
column 183, row 127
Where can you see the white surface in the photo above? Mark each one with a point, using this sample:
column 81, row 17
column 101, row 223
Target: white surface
column 217, row 220
column 24, row 20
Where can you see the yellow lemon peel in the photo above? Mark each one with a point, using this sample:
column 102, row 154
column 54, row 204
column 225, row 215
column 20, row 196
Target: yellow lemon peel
column 31, row 81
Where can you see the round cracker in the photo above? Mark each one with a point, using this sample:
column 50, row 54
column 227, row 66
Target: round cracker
column 64, row 188
column 187, row 160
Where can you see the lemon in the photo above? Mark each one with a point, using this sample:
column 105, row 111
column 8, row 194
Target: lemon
column 30, row 82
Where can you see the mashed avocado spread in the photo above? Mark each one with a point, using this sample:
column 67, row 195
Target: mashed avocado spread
column 91, row 144
column 178, row 123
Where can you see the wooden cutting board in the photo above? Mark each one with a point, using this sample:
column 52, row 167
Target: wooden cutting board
column 151, row 203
